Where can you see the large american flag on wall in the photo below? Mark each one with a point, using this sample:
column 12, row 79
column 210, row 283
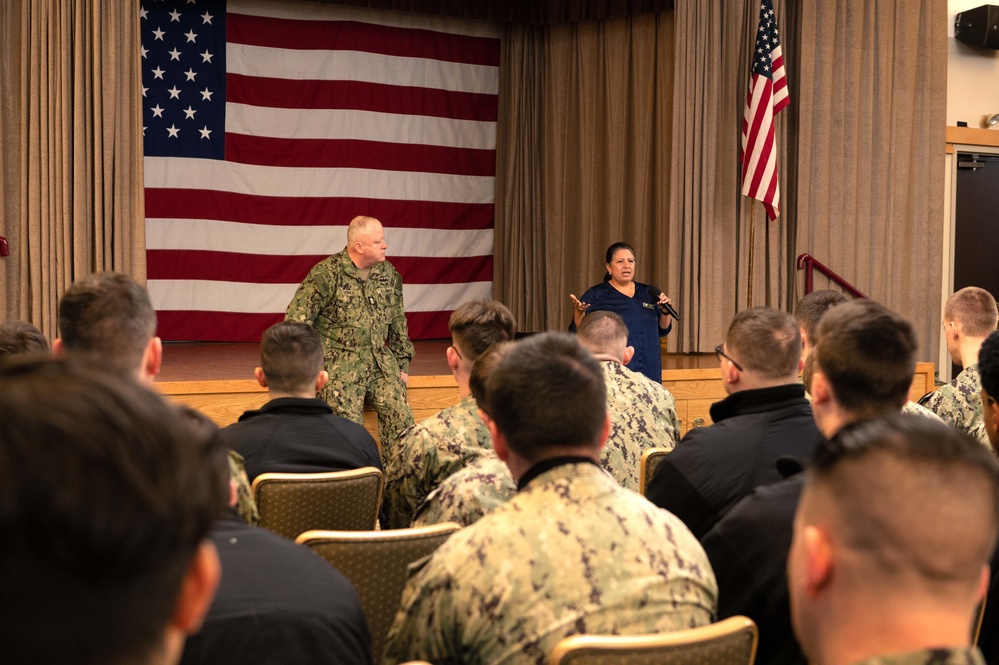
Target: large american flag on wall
column 269, row 125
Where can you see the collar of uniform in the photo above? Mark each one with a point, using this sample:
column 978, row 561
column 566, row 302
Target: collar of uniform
column 548, row 465
column 758, row 400
column 297, row 405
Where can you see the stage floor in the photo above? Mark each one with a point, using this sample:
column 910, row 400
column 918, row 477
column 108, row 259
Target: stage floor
column 222, row 361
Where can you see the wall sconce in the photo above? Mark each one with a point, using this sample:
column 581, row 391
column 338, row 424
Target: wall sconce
column 990, row 121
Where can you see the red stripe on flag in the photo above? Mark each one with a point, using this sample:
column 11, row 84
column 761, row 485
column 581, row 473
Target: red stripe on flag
column 357, row 36
column 314, row 211
column 166, row 264
column 199, row 326
column 344, row 153
column 361, row 96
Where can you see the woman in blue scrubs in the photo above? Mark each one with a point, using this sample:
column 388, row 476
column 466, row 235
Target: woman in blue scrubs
column 631, row 300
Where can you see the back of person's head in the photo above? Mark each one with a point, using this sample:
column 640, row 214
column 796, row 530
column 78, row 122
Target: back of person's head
column 106, row 498
column 291, row 355
column 899, row 513
column 975, row 309
column 867, row 353
column 548, row 392
column 478, row 324
column 483, row 367
column 21, row 338
column 765, row 341
column 988, row 371
column 603, row 332
column 108, row 318
column 810, row 309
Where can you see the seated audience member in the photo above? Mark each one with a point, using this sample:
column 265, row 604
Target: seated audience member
column 988, row 370
column 970, row 315
column 20, row 338
column 892, row 539
column 483, row 485
column 441, row 445
column 572, row 552
column 295, row 431
column 642, row 411
column 863, row 360
column 106, row 500
column 765, row 416
column 108, row 319
column 277, row 602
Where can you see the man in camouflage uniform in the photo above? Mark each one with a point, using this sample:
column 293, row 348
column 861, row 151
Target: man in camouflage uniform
column 442, row 444
column 572, row 552
column 969, row 316
column 642, row 412
column 353, row 300
column 892, row 538
column 470, row 494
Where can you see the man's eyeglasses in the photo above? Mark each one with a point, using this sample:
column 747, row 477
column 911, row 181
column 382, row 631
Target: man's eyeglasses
column 721, row 354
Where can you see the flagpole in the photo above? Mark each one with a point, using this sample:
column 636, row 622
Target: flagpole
column 752, row 251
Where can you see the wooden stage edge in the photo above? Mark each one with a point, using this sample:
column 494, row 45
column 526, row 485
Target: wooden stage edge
column 217, row 379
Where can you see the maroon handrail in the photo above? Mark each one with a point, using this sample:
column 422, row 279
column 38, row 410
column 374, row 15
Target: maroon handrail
column 809, row 262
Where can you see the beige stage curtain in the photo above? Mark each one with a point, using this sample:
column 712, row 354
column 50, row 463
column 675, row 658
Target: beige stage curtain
column 872, row 100
column 582, row 159
column 71, row 67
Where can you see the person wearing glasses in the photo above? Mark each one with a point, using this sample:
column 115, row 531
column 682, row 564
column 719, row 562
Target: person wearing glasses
column 852, row 380
column 765, row 416
column 440, row 445
column 643, row 313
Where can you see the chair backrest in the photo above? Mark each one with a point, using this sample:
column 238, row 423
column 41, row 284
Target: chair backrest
column 292, row 503
column 647, row 467
column 728, row 642
column 377, row 564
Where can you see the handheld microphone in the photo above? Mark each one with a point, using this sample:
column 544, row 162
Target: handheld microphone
column 666, row 307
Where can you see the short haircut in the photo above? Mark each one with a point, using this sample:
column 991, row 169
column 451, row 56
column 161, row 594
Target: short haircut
column 20, row 338
column 975, row 309
column 107, row 318
column 547, row 392
column 988, row 365
column 868, row 354
column 291, row 355
column 105, row 495
column 358, row 226
column 478, row 324
column 911, row 497
column 483, row 367
column 766, row 341
column 810, row 309
column 603, row 332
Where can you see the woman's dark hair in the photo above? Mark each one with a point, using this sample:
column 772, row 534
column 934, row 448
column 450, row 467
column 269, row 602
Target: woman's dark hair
column 612, row 250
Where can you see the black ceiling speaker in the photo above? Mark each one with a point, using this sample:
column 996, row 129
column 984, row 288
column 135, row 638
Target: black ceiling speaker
column 979, row 26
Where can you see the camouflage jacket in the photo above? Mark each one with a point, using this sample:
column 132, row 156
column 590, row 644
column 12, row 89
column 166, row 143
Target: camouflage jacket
column 572, row 552
column 957, row 656
column 959, row 402
column 643, row 416
column 465, row 497
column 428, row 453
column 915, row 409
column 362, row 322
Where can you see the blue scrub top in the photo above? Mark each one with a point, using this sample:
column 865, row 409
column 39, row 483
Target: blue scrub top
column 641, row 315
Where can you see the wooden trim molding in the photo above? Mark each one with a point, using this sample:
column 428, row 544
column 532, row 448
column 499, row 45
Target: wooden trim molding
column 972, row 136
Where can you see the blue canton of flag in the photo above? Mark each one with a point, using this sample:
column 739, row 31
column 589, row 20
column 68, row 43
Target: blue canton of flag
column 183, row 78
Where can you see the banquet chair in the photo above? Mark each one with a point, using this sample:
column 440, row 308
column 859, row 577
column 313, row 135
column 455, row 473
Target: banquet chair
column 377, row 564
column 647, row 467
column 292, row 503
column 729, row 642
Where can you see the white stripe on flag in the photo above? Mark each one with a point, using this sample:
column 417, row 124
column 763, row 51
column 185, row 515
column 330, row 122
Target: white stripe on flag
column 188, row 173
column 219, row 296
column 359, row 125
column 210, row 235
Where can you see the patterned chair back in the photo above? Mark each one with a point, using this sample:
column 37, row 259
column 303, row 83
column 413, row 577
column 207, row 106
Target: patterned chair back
column 647, row 467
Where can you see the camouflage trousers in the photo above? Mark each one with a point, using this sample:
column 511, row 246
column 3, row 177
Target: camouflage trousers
column 386, row 395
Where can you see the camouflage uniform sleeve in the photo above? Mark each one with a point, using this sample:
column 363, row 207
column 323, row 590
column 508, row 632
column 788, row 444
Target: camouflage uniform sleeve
column 398, row 334
column 311, row 296
column 245, row 504
column 405, row 481
column 425, row 627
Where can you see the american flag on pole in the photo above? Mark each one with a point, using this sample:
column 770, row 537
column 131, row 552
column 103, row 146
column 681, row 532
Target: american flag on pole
column 766, row 98
column 270, row 124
